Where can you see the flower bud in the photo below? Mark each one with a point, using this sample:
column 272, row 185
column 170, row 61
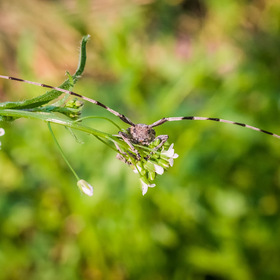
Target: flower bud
column 151, row 175
column 164, row 163
column 85, row 187
column 74, row 103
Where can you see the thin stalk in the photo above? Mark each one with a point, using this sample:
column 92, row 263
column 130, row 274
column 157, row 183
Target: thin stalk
column 106, row 143
column 62, row 153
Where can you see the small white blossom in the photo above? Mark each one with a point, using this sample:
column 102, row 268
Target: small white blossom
column 146, row 186
column 158, row 169
column 85, row 187
column 170, row 154
column 2, row 131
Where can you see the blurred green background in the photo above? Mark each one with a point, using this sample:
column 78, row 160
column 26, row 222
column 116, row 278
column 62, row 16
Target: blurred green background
column 215, row 214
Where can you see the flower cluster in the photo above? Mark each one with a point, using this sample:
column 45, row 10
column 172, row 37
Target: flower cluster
column 74, row 108
column 153, row 162
column 155, row 165
column 2, row 132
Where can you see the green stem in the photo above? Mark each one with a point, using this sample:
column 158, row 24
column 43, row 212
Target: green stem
column 106, row 144
column 62, row 153
column 53, row 118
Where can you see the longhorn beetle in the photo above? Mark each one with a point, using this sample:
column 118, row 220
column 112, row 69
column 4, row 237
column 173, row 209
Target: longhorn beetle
column 143, row 135
column 140, row 133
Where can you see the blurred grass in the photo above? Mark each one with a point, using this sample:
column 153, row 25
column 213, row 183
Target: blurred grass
column 215, row 214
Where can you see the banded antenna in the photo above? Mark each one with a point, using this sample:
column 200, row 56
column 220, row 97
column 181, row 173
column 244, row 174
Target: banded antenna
column 139, row 127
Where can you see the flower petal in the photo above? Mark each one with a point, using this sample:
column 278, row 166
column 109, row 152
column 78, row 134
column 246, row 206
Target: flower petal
column 2, row 131
column 171, row 162
column 169, row 152
column 159, row 169
column 146, row 186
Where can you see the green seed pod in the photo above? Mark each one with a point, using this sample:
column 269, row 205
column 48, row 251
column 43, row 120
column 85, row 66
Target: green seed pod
column 151, row 175
column 155, row 156
column 148, row 165
column 164, row 163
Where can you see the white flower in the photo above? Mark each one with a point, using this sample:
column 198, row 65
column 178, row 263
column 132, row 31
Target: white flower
column 85, row 187
column 170, row 154
column 146, row 186
column 2, row 131
column 158, row 169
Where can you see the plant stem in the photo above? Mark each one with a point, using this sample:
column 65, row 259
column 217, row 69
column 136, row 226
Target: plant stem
column 53, row 118
column 62, row 153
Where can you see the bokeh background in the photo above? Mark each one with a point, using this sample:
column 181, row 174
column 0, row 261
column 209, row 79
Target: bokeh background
column 215, row 214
